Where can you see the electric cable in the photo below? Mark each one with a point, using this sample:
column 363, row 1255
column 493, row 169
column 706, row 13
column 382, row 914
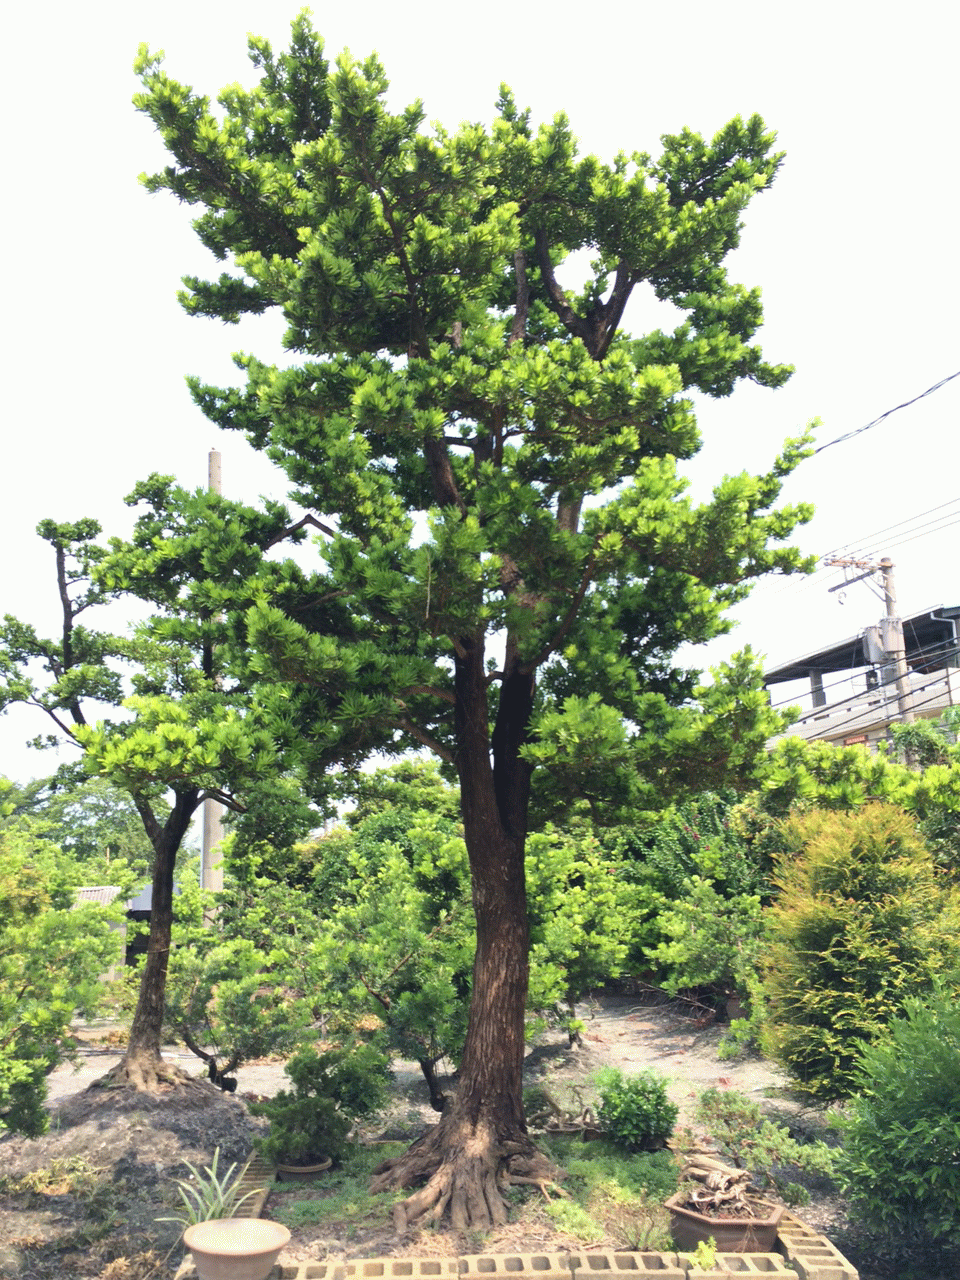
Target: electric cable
column 876, row 421
column 777, row 584
column 928, row 652
column 867, row 538
column 915, row 705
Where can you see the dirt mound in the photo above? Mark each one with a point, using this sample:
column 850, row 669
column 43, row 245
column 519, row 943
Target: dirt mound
column 84, row 1198
column 155, row 1134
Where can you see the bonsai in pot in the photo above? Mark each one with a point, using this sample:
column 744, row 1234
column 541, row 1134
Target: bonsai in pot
column 714, row 1203
column 310, row 1126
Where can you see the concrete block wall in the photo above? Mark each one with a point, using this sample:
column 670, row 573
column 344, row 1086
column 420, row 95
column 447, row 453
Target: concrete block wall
column 801, row 1252
column 812, row 1255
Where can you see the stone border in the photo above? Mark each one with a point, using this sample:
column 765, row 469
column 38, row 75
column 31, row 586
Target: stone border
column 800, row 1251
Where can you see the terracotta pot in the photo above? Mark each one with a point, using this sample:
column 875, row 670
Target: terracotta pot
column 733, row 1235
column 301, row 1172
column 235, row 1248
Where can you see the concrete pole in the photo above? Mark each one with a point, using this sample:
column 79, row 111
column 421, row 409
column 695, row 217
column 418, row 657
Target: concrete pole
column 211, row 875
column 893, row 642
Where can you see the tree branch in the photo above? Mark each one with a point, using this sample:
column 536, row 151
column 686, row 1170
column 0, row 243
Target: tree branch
column 147, row 817
column 567, row 621
column 64, row 728
column 312, row 521
column 424, row 738
column 428, row 691
column 519, row 327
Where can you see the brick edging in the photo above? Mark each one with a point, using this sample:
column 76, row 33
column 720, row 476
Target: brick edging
column 800, row 1251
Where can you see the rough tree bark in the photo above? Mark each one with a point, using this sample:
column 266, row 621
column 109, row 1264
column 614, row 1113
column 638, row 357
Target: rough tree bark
column 142, row 1067
column 480, row 1145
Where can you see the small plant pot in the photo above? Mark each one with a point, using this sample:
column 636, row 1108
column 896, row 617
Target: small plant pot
column 302, row 1172
column 733, row 1235
column 235, row 1248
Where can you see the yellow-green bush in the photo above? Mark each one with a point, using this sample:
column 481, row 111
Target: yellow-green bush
column 863, row 920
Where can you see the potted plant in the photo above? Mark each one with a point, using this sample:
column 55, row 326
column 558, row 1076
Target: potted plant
column 225, row 1247
column 716, row 1206
column 309, row 1127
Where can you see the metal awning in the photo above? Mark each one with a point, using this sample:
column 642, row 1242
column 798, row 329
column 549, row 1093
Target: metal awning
column 931, row 640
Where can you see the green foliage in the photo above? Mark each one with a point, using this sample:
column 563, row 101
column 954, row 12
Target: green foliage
column 603, row 1165
column 703, row 882
column 581, row 917
column 746, row 1137
column 185, row 731
column 331, row 1090
column 635, row 1110
column 510, row 559
column 613, row 1193
column 704, row 1257
column 98, row 825
column 399, row 943
column 900, row 1155
column 863, row 921
column 51, row 958
column 823, row 776
column 803, row 775
column 412, row 784
column 449, row 385
column 702, row 837
column 343, row 1200
column 713, row 942
column 930, row 742
column 210, row 1194
column 229, row 998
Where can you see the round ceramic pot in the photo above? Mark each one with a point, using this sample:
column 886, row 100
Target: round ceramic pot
column 733, row 1235
column 235, row 1248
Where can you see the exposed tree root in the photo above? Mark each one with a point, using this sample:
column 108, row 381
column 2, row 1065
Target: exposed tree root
column 464, row 1171
column 145, row 1073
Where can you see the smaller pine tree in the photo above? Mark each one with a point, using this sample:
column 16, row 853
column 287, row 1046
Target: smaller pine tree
column 863, row 921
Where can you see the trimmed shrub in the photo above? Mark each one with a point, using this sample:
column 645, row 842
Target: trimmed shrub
column 863, row 922
column 900, row 1160
column 635, row 1110
column 331, row 1090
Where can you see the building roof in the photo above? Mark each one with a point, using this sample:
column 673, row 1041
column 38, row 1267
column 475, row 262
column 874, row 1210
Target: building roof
column 931, row 640
column 104, row 894
column 101, row 894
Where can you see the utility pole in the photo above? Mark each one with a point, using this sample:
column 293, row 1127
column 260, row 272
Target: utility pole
column 211, row 873
column 893, row 642
column 891, row 628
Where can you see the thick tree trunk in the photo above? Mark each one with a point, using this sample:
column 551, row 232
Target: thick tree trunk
column 142, row 1066
column 481, row 1145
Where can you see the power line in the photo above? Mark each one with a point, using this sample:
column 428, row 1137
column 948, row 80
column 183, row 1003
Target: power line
column 946, row 525
column 773, row 586
column 928, row 653
column 879, row 533
column 876, row 422
column 881, row 690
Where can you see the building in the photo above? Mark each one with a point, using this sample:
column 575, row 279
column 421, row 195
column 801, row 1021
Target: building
column 137, row 912
column 853, row 694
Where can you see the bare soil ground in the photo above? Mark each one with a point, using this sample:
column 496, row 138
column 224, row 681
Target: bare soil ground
column 114, row 1155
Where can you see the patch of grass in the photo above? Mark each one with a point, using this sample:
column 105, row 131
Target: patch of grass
column 340, row 1196
column 614, row 1196
column 592, row 1164
column 611, row 1199
column 571, row 1217
column 63, row 1176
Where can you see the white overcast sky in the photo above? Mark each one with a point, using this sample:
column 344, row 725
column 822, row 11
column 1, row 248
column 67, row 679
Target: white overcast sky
column 855, row 249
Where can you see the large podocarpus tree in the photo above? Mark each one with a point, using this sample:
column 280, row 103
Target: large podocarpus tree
column 494, row 463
